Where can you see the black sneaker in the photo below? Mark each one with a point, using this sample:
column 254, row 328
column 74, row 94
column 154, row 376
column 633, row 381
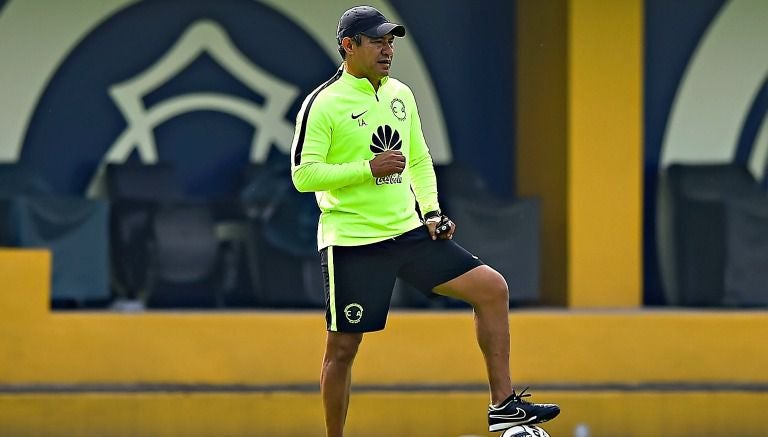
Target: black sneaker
column 515, row 411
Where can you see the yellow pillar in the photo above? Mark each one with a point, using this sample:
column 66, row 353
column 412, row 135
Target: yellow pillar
column 542, row 132
column 22, row 272
column 579, row 143
column 605, row 149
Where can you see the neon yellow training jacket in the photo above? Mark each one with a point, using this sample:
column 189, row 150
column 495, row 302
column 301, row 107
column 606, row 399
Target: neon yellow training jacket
column 341, row 126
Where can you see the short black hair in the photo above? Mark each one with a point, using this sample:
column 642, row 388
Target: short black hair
column 358, row 39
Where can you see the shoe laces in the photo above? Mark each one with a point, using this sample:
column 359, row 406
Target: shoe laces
column 518, row 397
column 515, row 397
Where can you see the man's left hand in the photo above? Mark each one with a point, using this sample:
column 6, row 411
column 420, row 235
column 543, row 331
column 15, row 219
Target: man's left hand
column 442, row 229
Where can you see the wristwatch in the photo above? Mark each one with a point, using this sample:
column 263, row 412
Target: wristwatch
column 433, row 217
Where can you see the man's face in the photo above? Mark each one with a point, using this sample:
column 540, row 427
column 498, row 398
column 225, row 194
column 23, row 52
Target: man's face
column 373, row 56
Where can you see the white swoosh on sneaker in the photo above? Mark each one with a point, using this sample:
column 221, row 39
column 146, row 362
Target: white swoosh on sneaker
column 519, row 414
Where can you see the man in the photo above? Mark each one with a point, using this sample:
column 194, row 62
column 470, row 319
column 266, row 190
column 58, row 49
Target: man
column 359, row 146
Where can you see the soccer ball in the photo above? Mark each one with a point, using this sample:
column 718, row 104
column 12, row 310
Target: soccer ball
column 525, row 431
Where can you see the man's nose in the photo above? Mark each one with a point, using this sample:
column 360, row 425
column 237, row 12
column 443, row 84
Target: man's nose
column 388, row 50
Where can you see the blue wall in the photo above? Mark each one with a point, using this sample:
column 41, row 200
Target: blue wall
column 706, row 60
column 76, row 120
column 672, row 32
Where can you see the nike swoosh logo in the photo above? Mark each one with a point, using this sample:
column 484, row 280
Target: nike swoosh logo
column 519, row 414
column 355, row 117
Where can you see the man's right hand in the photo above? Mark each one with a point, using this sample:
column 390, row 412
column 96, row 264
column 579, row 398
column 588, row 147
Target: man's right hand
column 387, row 163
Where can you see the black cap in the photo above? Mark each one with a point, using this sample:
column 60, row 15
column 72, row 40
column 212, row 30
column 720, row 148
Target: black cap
column 368, row 21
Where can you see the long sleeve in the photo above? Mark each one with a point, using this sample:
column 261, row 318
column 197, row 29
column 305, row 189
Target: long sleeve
column 423, row 180
column 321, row 176
column 310, row 170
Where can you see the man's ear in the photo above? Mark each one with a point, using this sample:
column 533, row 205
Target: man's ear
column 348, row 44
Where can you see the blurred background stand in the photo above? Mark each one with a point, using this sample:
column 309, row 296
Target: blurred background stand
column 693, row 229
column 504, row 233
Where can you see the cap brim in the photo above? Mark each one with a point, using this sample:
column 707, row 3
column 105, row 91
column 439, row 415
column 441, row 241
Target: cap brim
column 385, row 28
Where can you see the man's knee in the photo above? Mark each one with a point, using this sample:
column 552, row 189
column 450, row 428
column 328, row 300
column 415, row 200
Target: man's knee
column 494, row 287
column 342, row 347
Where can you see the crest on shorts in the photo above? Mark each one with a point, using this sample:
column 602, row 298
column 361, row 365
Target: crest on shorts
column 353, row 312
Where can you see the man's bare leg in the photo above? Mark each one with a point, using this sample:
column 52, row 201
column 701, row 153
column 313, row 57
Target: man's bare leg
column 336, row 379
column 486, row 290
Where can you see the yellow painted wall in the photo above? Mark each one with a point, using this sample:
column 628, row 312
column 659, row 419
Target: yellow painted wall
column 627, row 347
column 416, row 348
column 282, row 414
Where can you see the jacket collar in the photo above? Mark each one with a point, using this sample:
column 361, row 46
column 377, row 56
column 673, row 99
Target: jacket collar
column 363, row 84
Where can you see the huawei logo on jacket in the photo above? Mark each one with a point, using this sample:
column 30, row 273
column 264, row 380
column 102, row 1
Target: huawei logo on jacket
column 386, row 138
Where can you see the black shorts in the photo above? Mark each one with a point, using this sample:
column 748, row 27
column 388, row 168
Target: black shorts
column 359, row 279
